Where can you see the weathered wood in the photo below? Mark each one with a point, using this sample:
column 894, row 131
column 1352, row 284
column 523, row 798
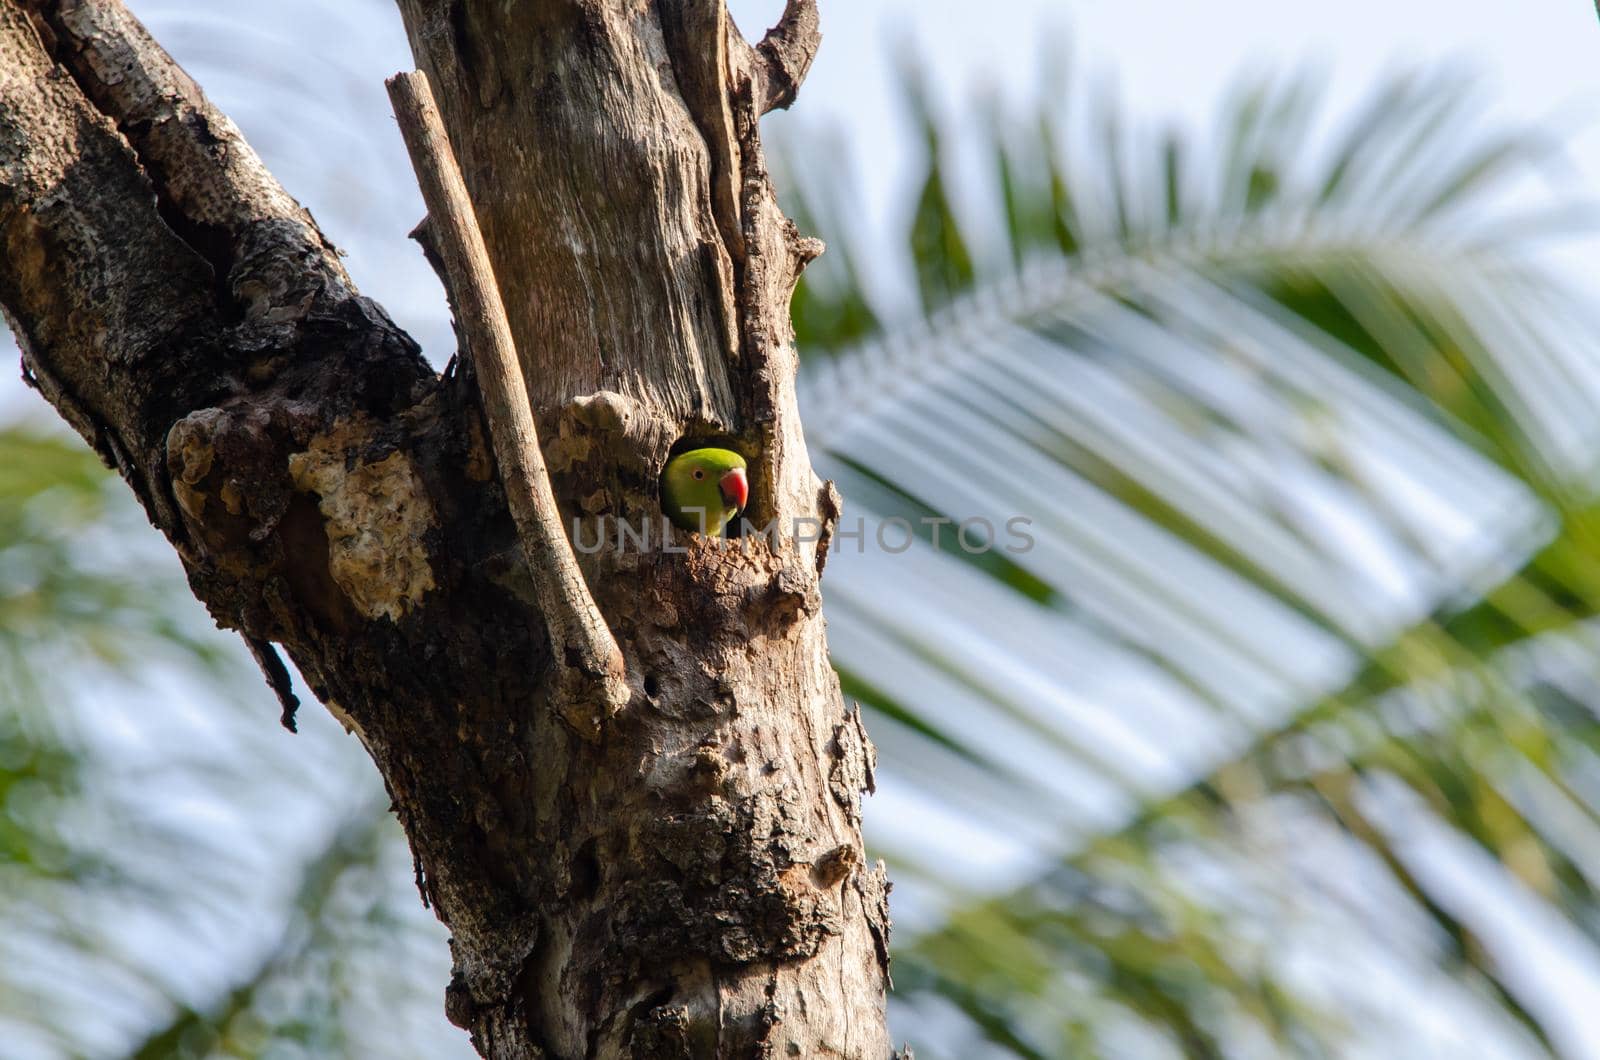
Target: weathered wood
column 577, row 631
column 691, row 881
column 786, row 53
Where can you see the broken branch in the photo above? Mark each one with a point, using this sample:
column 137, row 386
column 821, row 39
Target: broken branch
column 277, row 675
column 582, row 640
column 786, row 53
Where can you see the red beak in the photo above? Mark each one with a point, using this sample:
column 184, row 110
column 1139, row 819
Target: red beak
column 735, row 490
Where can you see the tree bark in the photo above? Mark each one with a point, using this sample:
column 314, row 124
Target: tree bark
column 685, row 879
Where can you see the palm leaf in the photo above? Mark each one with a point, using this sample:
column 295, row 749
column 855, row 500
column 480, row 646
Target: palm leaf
column 165, row 893
column 1304, row 639
column 1304, row 444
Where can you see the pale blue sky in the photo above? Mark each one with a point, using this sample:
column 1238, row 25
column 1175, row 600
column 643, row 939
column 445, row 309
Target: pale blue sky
column 1168, row 58
column 1540, row 59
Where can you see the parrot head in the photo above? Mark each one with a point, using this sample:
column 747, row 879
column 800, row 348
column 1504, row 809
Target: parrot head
column 702, row 489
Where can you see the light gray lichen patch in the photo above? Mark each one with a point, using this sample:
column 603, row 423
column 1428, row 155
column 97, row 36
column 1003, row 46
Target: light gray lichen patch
column 377, row 514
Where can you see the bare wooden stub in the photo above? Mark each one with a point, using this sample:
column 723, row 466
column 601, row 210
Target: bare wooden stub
column 578, row 632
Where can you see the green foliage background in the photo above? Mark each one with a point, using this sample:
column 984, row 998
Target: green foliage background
column 1279, row 741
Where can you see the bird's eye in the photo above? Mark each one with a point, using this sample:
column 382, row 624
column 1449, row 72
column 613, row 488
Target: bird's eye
column 699, row 473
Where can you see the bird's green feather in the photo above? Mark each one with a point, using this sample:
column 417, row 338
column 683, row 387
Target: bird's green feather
column 690, row 494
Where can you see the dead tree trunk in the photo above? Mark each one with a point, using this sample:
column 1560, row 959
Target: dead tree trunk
column 682, row 877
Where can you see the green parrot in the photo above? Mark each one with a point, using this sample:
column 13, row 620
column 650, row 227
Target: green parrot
column 704, row 488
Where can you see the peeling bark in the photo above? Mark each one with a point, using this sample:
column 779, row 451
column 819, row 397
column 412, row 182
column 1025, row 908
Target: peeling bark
column 692, row 882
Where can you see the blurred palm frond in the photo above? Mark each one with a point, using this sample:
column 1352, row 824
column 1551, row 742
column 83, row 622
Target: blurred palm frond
column 1273, row 736
column 1296, row 421
column 171, row 886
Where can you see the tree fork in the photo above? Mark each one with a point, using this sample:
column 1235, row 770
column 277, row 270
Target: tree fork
column 688, row 883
